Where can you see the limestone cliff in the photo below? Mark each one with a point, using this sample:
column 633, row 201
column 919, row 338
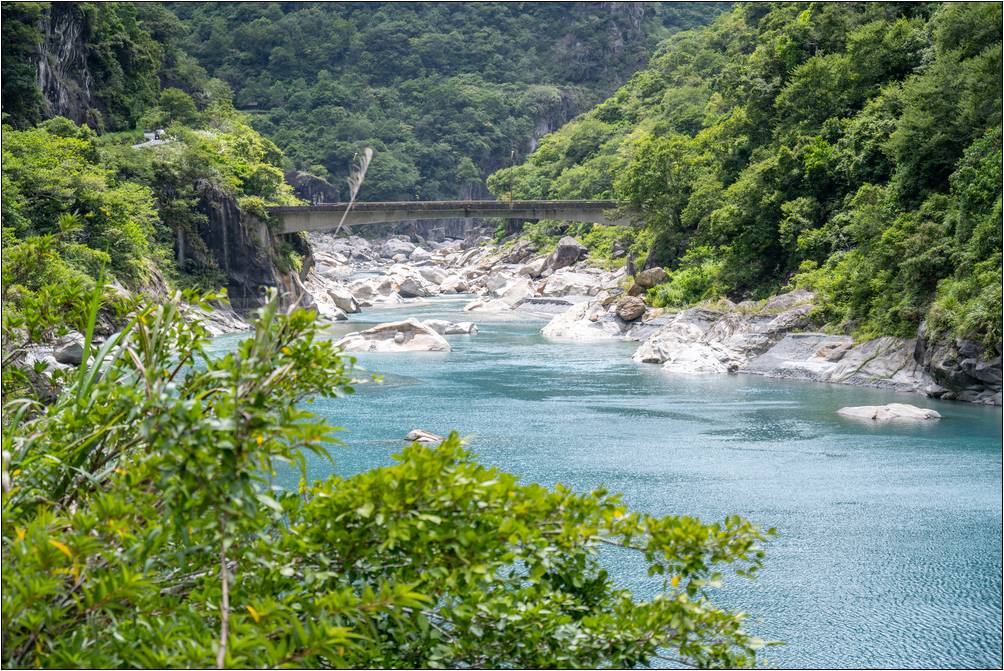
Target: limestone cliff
column 247, row 252
column 62, row 74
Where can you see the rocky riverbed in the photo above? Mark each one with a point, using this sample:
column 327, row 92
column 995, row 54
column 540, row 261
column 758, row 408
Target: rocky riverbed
column 771, row 338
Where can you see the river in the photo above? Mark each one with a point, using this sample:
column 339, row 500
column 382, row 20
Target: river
column 889, row 546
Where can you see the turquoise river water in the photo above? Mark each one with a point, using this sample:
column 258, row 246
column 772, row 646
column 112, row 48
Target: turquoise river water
column 889, row 546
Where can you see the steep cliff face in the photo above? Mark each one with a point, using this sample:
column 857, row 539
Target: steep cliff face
column 247, row 252
column 94, row 63
column 62, row 74
column 962, row 369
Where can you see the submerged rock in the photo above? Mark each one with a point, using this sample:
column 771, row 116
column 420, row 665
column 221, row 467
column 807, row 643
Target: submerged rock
column 889, row 411
column 409, row 335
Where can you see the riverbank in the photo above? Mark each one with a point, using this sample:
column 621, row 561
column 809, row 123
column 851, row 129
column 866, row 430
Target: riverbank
column 771, row 338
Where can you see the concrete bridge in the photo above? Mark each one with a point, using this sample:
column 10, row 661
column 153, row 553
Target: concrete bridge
column 326, row 217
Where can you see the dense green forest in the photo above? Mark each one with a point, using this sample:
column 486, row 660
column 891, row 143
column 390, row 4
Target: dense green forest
column 853, row 149
column 444, row 93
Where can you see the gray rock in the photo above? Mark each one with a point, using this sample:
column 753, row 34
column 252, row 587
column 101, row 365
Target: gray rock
column 412, row 288
column 516, row 291
column 343, row 299
column 630, row 308
column 69, row 349
column 533, row 268
column 519, row 252
column 568, row 251
column 453, row 284
column 647, row 279
column 567, row 283
column 394, row 246
column 432, row 274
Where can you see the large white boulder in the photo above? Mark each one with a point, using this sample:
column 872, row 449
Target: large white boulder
column 534, row 268
column 343, row 299
column 444, row 327
column 890, row 411
column 409, row 335
column 567, row 283
column 516, row 291
column 453, row 284
column 394, row 246
column 432, row 274
column 412, row 287
column 568, row 251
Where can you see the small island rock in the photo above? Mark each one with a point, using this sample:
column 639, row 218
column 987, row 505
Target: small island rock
column 889, row 411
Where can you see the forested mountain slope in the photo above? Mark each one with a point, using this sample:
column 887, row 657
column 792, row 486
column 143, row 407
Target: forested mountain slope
column 82, row 204
column 854, row 149
column 443, row 92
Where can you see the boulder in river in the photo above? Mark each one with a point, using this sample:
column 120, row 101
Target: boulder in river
column 424, row 437
column 516, row 291
column 410, row 287
column 444, row 327
column 453, row 284
column 343, row 298
column 409, row 335
column 889, row 411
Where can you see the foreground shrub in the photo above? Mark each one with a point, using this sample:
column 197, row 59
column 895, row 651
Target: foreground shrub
column 141, row 528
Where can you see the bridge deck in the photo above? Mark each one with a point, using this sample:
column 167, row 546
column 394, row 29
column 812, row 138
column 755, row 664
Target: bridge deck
column 326, row 216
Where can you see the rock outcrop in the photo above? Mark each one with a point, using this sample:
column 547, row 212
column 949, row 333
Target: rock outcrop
column 768, row 340
column 960, row 369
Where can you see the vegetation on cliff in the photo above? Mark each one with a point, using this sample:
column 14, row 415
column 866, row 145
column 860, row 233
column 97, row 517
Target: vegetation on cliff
column 850, row 148
column 78, row 206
